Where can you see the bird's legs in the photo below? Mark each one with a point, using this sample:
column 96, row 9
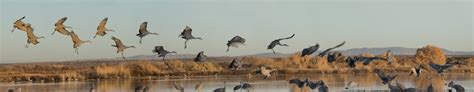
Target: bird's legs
column 53, row 32
column 95, row 36
column 27, row 43
column 140, row 40
column 76, row 50
column 273, row 51
column 185, row 44
column 227, row 49
column 123, row 57
column 164, row 58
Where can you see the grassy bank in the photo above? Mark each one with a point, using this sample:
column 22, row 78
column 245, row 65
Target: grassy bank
column 83, row 70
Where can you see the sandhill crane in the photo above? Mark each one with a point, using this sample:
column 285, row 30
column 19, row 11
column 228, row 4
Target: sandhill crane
column 178, row 87
column 333, row 56
column 60, row 27
column 198, row 87
column 323, row 87
column 120, row 47
column 77, row 41
column 160, row 50
column 19, row 24
column 351, row 60
column 32, row 38
column 235, row 64
column 143, row 31
column 389, row 56
column 395, row 86
column 386, row 78
column 325, row 52
column 456, row 87
column 416, row 70
column 300, row 83
column 242, row 85
column 277, row 42
column 200, row 57
column 221, row 89
column 440, row 68
column 187, row 35
column 351, row 85
column 310, row 50
column 101, row 28
column 265, row 72
column 234, row 42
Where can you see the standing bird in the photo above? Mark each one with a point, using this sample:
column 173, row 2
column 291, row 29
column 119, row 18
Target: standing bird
column 416, row 70
column 200, row 57
column 60, row 27
column 235, row 64
column 32, row 38
column 309, row 50
column 178, row 87
column 234, row 42
column 101, row 28
column 325, row 52
column 120, row 47
column 277, row 42
column 386, row 78
column 456, row 87
column 440, row 68
column 243, row 85
column 187, row 35
column 160, row 50
column 19, row 24
column 143, row 31
column 77, row 42
column 221, row 89
column 265, row 72
column 198, row 87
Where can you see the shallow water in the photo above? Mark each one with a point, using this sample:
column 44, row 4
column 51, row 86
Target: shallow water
column 278, row 83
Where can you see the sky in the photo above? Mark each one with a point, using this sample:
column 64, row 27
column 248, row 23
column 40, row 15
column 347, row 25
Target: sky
column 361, row 23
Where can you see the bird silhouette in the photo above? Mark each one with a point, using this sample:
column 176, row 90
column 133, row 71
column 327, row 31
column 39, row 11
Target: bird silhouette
column 101, row 28
column 160, row 50
column 187, row 35
column 143, row 31
column 234, row 42
column 120, row 46
column 60, row 27
column 277, row 42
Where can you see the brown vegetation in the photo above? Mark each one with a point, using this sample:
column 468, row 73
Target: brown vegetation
column 430, row 54
column 68, row 71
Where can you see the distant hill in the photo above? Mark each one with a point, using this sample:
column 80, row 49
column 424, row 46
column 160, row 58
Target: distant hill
column 350, row 52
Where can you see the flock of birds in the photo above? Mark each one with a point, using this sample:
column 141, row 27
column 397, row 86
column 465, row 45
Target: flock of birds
column 142, row 32
column 236, row 64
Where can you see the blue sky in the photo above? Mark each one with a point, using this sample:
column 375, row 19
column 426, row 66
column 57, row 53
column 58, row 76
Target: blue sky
column 362, row 23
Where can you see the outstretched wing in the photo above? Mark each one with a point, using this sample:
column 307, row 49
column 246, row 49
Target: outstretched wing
column 117, row 41
column 158, row 49
column 329, row 49
column 62, row 20
column 287, row 37
column 187, row 32
column 238, row 39
column 143, row 27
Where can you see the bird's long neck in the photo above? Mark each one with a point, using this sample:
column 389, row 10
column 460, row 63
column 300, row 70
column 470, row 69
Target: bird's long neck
column 86, row 41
